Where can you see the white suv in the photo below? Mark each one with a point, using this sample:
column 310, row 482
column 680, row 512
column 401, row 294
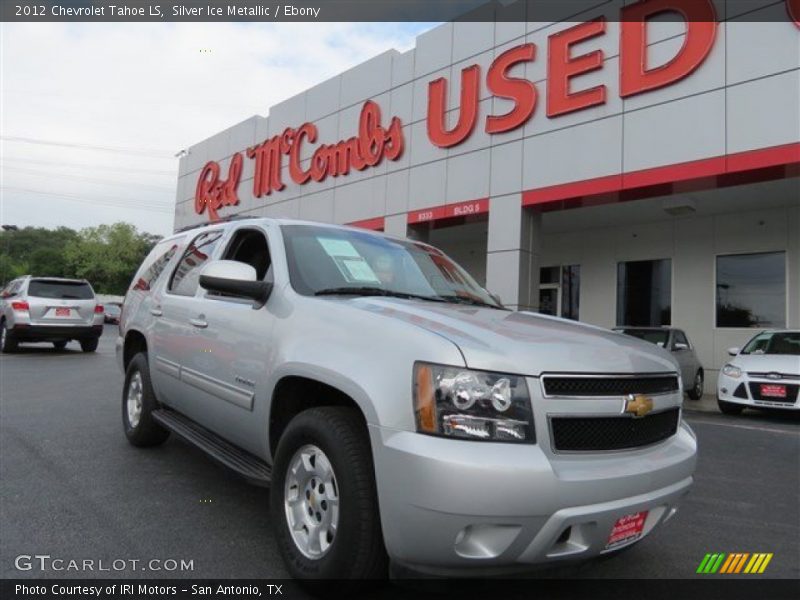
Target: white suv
column 49, row 309
column 395, row 408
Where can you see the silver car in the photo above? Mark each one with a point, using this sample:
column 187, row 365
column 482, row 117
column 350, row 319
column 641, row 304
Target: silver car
column 397, row 411
column 49, row 309
column 674, row 340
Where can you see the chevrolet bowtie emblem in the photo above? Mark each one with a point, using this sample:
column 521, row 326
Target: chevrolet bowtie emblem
column 638, row 405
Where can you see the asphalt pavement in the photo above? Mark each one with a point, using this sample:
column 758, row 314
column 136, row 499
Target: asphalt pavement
column 74, row 489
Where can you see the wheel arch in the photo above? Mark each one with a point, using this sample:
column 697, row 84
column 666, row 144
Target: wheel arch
column 298, row 390
column 135, row 342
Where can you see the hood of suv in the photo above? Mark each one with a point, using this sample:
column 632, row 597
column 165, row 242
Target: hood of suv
column 525, row 343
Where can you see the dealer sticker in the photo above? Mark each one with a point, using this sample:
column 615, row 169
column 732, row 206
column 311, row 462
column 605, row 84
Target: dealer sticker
column 627, row 529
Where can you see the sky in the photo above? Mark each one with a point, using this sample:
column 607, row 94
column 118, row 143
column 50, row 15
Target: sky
column 92, row 115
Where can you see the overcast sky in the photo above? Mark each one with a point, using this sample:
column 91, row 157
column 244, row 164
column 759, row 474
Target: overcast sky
column 104, row 107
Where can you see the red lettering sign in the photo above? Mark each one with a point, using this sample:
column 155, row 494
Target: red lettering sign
column 562, row 66
column 793, row 8
column 467, row 114
column 367, row 149
column 213, row 193
column 520, row 90
column 701, row 29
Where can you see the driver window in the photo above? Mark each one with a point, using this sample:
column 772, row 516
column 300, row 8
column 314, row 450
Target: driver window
column 680, row 338
column 250, row 247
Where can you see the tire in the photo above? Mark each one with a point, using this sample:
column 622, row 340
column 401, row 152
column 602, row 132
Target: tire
column 730, row 408
column 140, row 427
column 338, row 435
column 697, row 390
column 8, row 343
column 60, row 345
column 90, row 345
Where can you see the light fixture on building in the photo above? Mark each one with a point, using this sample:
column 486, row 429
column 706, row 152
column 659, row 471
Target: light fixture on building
column 181, row 153
column 679, row 207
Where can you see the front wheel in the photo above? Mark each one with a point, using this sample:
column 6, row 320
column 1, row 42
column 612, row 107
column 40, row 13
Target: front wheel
column 697, row 389
column 730, row 408
column 323, row 499
column 138, row 403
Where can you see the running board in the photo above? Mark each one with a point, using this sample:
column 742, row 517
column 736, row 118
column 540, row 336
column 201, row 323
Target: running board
column 242, row 462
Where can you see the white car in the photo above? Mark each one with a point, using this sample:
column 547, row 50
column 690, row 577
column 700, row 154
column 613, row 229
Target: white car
column 763, row 374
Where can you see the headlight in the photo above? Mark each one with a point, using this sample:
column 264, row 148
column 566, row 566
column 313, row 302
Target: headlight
column 732, row 371
column 475, row 405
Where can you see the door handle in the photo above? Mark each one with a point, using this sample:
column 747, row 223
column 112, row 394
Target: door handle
column 156, row 311
column 199, row 322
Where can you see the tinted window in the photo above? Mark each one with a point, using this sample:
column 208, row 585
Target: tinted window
column 657, row 337
column 751, row 290
column 154, row 264
column 67, row 290
column 784, row 342
column 680, row 338
column 644, row 293
column 185, row 278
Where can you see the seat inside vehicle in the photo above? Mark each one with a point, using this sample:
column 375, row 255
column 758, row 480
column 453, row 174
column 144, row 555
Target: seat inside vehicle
column 250, row 247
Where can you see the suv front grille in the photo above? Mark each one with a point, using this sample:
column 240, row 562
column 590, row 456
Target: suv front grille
column 609, row 386
column 587, row 434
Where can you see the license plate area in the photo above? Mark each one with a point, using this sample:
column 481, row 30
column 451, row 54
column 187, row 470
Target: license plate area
column 627, row 529
column 63, row 312
column 772, row 390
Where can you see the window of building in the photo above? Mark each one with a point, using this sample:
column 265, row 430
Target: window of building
column 644, row 293
column 751, row 290
column 185, row 279
column 559, row 291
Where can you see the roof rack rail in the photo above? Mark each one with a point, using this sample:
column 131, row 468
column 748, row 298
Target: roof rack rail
column 223, row 220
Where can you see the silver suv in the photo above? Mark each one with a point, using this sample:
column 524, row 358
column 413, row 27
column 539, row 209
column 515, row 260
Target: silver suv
column 394, row 407
column 49, row 309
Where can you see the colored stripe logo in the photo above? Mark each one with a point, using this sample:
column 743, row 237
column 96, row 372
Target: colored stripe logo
column 735, row 562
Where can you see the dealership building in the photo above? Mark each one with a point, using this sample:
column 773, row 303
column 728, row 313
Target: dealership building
column 620, row 169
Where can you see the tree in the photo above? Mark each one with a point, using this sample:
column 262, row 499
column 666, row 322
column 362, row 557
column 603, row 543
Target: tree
column 108, row 255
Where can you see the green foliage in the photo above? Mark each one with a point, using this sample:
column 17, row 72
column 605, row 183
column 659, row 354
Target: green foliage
column 107, row 256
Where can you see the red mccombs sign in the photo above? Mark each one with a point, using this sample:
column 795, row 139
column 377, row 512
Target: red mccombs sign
column 374, row 142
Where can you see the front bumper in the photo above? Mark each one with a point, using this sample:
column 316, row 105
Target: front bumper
column 55, row 333
column 448, row 506
column 738, row 391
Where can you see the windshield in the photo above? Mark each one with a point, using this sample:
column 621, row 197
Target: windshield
column 659, row 338
column 323, row 260
column 785, row 342
column 64, row 290
column 112, row 309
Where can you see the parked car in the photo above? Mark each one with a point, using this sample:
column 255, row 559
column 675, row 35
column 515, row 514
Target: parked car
column 112, row 312
column 674, row 340
column 763, row 374
column 395, row 408
column 49, row 309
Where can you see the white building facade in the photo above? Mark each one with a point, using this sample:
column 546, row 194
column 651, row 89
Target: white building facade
column 610, row 170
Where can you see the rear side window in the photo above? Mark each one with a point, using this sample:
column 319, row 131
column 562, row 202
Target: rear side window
column 187, row 274
column 65, row 290
column 154, row 264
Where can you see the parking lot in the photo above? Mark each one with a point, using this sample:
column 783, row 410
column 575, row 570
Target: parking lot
column 73, row 488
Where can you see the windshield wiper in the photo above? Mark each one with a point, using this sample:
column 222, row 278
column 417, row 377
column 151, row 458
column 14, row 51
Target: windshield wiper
column 471, row 301
column 374, row 291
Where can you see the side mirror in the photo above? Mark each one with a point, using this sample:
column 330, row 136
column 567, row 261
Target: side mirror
column 495, row 297
column 680, row 346
column 235, row 279
column 733, row 351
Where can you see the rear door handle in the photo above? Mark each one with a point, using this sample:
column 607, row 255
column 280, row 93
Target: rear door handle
column 199, row 322
column 156, row 311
